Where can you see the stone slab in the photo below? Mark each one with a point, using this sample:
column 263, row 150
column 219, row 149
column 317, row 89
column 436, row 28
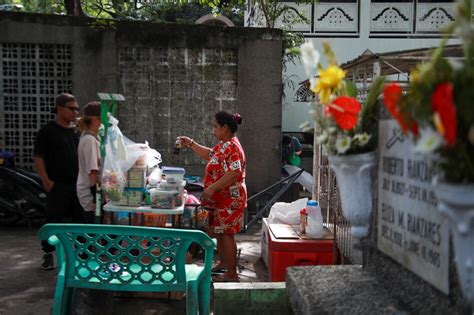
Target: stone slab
column 251, row 298
column 337, row 290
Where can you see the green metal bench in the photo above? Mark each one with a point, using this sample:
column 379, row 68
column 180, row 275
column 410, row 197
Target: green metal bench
column 129, row 258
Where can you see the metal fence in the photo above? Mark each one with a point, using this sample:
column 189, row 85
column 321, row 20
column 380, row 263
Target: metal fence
column 328, row 196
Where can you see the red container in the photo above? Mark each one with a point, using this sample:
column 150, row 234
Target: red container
column 287, row 249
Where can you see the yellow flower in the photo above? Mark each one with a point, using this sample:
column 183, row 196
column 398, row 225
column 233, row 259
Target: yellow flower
column 438, row 124
column 329, row 80
column 415, row 76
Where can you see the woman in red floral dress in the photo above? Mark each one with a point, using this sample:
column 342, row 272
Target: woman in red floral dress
column 225, row 192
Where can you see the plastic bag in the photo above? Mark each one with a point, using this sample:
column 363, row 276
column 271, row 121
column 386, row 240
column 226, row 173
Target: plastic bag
column 120, row 155
column 155, row 177
column 287, row 213
column 152, row 158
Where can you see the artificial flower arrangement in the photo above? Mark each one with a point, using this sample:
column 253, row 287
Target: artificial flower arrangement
column 438, row 106
column 346, row 126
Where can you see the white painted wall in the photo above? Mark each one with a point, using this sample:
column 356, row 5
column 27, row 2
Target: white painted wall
column 296, row 113
column 348, row 48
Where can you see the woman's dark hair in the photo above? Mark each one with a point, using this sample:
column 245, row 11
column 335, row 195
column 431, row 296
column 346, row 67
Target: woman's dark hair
column 231, row 120
column 286, row 140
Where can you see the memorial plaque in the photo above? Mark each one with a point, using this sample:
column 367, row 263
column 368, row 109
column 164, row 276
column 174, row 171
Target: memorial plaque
column 410, row 228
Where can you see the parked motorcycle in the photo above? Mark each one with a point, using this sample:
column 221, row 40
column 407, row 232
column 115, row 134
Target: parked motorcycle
column 22, row 196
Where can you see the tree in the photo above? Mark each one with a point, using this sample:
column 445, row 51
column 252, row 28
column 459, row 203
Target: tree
column 73, row 7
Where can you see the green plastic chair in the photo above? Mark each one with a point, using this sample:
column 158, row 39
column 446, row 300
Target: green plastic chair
column 129, row 258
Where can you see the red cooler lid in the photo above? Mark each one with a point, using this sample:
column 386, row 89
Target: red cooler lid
column 283, row 237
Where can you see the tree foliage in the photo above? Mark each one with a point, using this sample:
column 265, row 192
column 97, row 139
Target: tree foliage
column 176, row 11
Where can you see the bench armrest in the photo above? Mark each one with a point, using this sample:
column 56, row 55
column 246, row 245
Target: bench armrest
column 53, row 240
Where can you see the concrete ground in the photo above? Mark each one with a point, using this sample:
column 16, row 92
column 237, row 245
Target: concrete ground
column 26, row 289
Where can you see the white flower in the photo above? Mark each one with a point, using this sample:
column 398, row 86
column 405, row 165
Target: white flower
column 332, row 130
column 362, row 138
column 429, row 140
column 310, row 57
column 343, row 144
column 312, row 83
column 313, row 114
column 322, row 137
column 470, row 135
column 305, row 126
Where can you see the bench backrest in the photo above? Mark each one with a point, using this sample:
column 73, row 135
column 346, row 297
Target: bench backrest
column 125, row 257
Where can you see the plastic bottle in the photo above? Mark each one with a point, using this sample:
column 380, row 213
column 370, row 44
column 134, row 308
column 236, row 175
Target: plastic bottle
column 177, row 147
column 315, row 228
column 303, row 220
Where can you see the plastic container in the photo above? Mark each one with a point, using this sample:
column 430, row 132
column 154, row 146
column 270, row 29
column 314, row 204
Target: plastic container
column 165, row 199
column 122, row 218
column 173, row 174
column 173, row 186
column 136, row 219
column 155, row 220
column 315, row 228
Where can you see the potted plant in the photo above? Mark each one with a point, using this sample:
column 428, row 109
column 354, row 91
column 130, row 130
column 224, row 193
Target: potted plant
column 437, row 110
column 346, row 132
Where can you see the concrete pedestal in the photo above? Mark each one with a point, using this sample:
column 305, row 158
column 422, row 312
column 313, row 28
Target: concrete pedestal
column 337, row 290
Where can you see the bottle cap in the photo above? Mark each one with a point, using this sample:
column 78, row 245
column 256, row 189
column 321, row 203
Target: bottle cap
column 312, row 203
column 303, row 211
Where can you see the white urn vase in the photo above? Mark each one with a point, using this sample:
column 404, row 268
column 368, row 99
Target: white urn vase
column 353, row 174
column 456, row 202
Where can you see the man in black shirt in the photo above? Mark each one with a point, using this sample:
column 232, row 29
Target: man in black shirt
column 56, row 161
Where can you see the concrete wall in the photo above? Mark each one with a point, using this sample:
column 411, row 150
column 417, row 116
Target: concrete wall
column 174, row 79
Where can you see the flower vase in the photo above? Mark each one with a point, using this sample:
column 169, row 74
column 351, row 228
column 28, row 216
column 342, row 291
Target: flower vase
column 456, row 202
column 353, row 174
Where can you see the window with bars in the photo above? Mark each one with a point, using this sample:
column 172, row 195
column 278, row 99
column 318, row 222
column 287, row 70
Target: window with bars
column 31, row 75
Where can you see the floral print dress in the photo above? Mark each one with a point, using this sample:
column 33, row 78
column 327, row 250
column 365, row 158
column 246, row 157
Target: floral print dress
column 228, row 204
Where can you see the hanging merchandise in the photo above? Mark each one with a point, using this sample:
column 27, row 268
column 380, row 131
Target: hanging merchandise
column 121, row 155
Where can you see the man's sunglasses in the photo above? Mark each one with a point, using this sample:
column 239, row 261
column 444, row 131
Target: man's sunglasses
column 72, row 108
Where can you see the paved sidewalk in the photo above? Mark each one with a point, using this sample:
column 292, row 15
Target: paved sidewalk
column 26, row 289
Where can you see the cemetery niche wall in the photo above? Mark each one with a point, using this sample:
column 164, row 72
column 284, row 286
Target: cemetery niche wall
column 409, row 249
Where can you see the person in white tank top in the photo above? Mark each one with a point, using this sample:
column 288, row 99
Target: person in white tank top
column 88, row 156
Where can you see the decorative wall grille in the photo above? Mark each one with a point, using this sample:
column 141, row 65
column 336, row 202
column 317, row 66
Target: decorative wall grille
column 333, row 17
column 418, row 16
column 31, row 75
column 346, row 18
column 303, row 94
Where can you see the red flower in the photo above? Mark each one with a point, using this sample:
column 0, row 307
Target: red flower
column 442, row 102
column 345, row 111
column 392, row 95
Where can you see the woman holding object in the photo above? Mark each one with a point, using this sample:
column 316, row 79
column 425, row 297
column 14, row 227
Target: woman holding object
column 225, row 192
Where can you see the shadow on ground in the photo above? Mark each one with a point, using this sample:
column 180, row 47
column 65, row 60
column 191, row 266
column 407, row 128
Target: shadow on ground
column 26, row 289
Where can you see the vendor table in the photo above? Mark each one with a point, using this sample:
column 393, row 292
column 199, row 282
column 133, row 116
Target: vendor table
column 129, row 213
column 143, row 209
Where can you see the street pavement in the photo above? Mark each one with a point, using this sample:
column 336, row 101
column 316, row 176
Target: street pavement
column 26, row 289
